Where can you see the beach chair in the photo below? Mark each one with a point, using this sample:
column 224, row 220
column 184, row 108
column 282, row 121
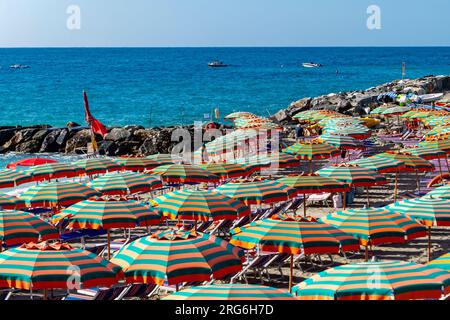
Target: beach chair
column 319, row 197
column 6, row 294
column 204, row 226
column 138, row 291
column 278, row 261
column 103, row 294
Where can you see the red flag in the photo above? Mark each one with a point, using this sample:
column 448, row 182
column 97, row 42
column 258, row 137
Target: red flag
column 96, row 126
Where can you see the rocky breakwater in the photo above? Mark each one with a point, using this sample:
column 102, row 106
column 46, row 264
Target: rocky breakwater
column 74, row 139
column 359, row 102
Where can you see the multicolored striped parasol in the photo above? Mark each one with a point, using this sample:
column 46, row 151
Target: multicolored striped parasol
column 341, row 142
column 379, row 164
column 125, row 183
column 386, row 280
column 227, row 170
column 183, row 173
column 93, row 166
column 17, row 227
column 443, row 262
column 54, row 194
column 178, row 256
column 257, row 191
column 233, row 291
column 136, row 163
column 200, row 205
column 52, row 266
column 10, row 202
column 292, row 237
column 374, row 226
column 12, row 178
column 53, row 171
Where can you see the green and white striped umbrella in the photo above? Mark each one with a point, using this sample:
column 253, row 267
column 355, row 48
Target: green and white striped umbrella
column 125, row 183
column 385, row 280
column 93, row 166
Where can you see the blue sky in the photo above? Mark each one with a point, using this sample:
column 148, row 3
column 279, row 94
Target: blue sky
column 153, row 23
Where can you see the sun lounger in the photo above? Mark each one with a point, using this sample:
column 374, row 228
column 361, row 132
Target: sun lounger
column 319, row 197
column 256, row 264
column 96, row 294
column 138, row 291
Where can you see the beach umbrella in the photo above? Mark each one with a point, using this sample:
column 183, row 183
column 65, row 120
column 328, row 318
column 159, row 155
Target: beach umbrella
column 240, row 114
column 443, row 262
column 28, row 162
column 311, row 150
column 411, row 162
column 232, row 291
column 374, row 226
column 268, row 160
column 184, row 173
column 105, row 214
column 428, row 210
column 199, row 205
column 12, row 178
column 10, row 202
column 135, row 163
column 54, row 266
column 351, row 174
column 313, row 183
column 380, row 165
column 358, row 132
column 428, row 153
column 383, row 280
column 438, row 143
column 17, row 227
column 379, row 110
column 178, row 256
column 292, row 237
column 341, row 142
column 442, row 192
column 227, row 170
column 56, row 194
column 53, row 171
column 164, row 158
column 93, row 166
column 257, row 191
column 395, row 111
column 125, row 183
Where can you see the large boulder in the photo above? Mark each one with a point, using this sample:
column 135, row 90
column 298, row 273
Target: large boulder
column 160, row 142
column 79, row 140
column 118, row 134
column 6, row 134
column 54, row 141
column 108, row 148
column 18, row 138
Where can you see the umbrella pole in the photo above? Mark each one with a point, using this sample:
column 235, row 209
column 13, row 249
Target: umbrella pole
column 440, row 167
column 446, row 161
column 429, row 244
column 310, row 166
column 291, row 272
column 344, row 202
column 368, row 199
column 417, row 181
column 109, row 244
column 304, row 205
column 396, row 186
column 1, row 246
column 45, row 294
column 366, row 258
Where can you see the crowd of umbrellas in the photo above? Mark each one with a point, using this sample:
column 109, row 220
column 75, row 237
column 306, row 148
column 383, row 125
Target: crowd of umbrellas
column 174, row 202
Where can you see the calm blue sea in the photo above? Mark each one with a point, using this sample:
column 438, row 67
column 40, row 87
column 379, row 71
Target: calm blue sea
column 165, row 86
column 162, row 86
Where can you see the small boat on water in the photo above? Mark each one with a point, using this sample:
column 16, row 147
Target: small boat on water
column 217, row 64
column 431, row 97
column 311, row 65
column 19, row 66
